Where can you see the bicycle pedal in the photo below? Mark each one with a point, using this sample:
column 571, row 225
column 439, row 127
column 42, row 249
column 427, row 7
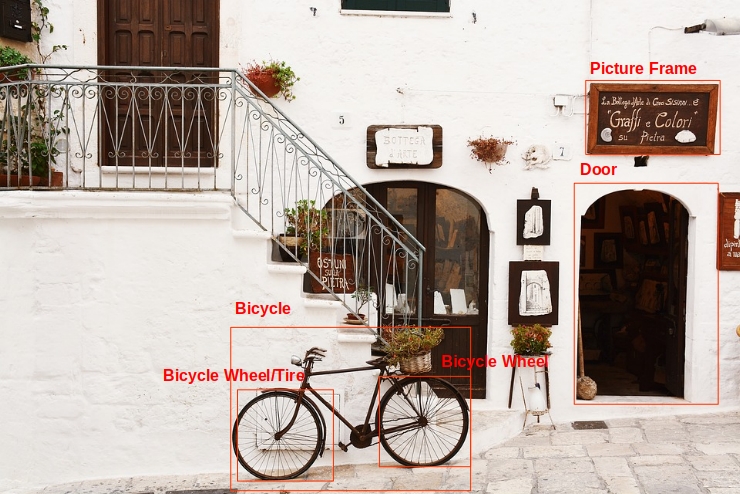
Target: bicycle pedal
column 342, row 446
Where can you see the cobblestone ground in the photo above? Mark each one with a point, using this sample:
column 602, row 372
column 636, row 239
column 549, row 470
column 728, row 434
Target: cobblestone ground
column 685, row 454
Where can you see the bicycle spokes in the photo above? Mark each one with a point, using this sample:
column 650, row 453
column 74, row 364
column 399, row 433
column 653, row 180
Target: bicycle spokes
column 257, row 447
column 418, row 426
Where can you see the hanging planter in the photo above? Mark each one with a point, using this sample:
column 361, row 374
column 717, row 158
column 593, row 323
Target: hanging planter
column 272, row 78
column 489, row 150
column 265, row 82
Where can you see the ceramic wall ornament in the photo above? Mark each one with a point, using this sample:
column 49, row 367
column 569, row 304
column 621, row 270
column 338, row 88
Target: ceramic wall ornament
column 537, row 156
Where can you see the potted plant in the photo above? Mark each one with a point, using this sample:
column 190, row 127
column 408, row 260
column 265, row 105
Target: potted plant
column 362, row 296
column 272, row 78
column 9, row 57
column 410, row 347
column 530, row 339
column 306, row 226
column 489, row 150
column 29, row 144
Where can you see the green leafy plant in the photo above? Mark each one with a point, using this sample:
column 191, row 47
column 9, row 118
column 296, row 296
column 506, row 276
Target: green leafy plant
column 9, row 57
column 412, row 341
column 308, row 223
column 489, row 150
column 40, row 24
column 281, row 73
column 530, row 339
column 362, row 295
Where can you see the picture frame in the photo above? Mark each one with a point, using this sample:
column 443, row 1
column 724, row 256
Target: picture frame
column 608, row 252
column 642, row 228
column 728, row 232
column 698, row 102
column 596, row 282
column 583, row 252
column 627, row 220
column 533, row 220
column 533, row 292
column 656, row 216
column 594, row 217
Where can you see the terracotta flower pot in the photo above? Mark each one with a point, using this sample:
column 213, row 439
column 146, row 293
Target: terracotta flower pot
column 265, row 82
column 57, row 180
column 24, row 181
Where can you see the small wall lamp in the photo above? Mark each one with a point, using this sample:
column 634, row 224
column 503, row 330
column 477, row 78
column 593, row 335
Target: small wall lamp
column 719, row 27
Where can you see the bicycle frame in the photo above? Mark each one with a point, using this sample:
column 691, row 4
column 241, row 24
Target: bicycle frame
column 366, row 433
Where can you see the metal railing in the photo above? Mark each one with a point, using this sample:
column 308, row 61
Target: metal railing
column 209, row 129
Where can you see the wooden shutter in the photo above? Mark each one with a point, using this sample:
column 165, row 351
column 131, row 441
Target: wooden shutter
column 398, row 5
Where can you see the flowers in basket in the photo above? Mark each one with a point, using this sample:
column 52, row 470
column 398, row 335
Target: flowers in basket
column 530, row 339
column 410, row 347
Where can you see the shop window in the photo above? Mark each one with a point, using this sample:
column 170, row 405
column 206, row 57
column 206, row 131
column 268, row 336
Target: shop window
column 398, row 5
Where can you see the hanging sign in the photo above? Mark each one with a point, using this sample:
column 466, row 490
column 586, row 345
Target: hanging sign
column 404, row 146
column 645, row 119
column 728, row 234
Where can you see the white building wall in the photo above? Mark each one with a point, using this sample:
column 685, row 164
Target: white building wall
column 103, row 295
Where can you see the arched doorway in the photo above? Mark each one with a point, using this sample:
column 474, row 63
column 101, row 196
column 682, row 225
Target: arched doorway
column 453, row 228
column 632, row 293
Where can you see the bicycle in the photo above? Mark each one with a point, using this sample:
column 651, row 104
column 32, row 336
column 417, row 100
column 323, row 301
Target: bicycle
column 421, row 421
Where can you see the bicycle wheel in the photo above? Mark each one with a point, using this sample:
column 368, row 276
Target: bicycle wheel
column 254, row 440
column 423, row 421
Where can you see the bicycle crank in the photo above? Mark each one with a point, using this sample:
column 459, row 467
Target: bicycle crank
column 359, row 441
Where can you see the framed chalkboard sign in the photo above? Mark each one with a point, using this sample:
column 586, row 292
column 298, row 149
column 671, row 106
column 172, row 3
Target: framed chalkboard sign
column 645, row 119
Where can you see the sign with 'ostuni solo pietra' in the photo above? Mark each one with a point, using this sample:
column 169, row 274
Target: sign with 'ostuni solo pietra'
column 649, row 119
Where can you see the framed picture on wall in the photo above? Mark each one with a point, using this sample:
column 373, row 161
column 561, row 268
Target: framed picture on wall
column 594, row 217
column 607, row 250
column 533, row 222
column 533, row 292
column 728, row 232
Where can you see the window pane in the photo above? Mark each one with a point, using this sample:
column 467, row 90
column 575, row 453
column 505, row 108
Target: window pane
column 457, row 253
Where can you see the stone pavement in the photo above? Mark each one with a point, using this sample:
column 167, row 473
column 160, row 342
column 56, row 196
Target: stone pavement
column 681, row 454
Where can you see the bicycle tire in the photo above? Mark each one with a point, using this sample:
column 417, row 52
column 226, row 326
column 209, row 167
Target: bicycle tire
column 434, row 426
column 253, row 436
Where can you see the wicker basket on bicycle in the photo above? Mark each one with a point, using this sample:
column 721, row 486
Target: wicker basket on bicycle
column 410, row 347
column 417, row 365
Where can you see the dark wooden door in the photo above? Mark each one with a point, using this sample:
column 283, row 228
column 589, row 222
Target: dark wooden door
column 453, row 229
column 676, row 298
column 170, row 120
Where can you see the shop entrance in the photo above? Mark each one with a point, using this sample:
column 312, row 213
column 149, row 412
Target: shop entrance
column 453, row 228
column 632, row 293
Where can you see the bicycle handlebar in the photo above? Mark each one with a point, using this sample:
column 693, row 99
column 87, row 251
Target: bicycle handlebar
column 319, row 352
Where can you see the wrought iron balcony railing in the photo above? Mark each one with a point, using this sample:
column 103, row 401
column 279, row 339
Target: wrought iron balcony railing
column 209, row 129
